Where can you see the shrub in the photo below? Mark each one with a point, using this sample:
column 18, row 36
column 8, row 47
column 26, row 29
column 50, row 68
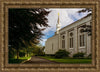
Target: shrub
column 12, row 52
column 21, row 54
column 79, row 55
column 50, row 55
column 38, row 52
column 61, row 54
column 89, row 56
column 41, row 54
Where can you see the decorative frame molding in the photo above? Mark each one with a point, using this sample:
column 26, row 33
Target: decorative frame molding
column 6, row 4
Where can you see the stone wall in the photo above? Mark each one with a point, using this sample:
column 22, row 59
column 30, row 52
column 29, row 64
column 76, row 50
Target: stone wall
column 51, row 45
column 54, row 43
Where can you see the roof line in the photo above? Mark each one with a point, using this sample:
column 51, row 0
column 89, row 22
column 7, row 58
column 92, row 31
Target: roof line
column 76, row 21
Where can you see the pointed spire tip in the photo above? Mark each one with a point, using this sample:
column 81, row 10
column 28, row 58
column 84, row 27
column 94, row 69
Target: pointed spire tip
column 58, row 13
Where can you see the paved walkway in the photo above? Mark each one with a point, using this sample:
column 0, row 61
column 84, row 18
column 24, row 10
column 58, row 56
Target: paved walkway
column 38, row 60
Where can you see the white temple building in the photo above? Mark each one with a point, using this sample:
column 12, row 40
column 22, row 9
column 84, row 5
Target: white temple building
column 70, row 38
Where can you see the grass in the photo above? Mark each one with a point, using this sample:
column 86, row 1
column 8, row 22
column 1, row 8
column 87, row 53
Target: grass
column 69, row 60
column 17, row 61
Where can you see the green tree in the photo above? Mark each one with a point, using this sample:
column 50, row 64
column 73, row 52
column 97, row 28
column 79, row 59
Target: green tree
column 24, row 26
column 61, row 54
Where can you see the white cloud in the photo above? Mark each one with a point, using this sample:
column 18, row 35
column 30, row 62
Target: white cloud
column 65, row 19
column 67, row 16
column 43, row 42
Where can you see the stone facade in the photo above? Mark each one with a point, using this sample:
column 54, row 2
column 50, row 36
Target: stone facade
column 71, row 38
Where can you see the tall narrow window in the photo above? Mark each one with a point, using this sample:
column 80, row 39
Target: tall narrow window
column 63, row 41
column 82, row 42
column 71, row 40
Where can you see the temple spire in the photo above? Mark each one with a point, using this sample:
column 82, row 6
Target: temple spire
column 58, row 18
column 58, row 25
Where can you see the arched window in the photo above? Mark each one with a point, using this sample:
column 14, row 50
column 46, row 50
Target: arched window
column 63, row 41
column 71, row 40
column 82, row 38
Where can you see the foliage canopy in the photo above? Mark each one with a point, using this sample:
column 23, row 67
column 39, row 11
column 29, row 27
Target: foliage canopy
column 24, row 26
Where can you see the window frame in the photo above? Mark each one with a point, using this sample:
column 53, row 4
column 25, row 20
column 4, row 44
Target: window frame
column 71, row 40
column 82, row 40
column 63, row 41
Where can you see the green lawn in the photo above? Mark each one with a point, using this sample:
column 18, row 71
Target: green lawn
column 69, row 60
column 17, row 61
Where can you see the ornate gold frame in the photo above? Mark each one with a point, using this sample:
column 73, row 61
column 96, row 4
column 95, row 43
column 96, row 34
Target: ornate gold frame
column 6, row 4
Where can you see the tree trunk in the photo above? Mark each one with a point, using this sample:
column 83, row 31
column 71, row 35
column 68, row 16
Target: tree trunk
column 17, row 54
column 27, row 53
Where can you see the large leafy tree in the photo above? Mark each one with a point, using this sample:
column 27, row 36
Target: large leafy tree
column 24, row 26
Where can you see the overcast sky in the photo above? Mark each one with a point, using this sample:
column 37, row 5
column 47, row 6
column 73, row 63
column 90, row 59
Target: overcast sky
column 66, row 16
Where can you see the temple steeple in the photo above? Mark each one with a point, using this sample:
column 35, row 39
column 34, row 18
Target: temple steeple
column 58, row 25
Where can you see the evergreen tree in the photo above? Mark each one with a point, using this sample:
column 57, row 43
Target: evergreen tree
column 24, row 26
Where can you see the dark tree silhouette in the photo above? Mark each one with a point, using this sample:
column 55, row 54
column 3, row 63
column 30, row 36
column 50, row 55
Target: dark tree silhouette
column 85, row 10
column 24, row 26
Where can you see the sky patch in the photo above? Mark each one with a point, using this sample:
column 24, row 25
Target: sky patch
column 66, row 16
